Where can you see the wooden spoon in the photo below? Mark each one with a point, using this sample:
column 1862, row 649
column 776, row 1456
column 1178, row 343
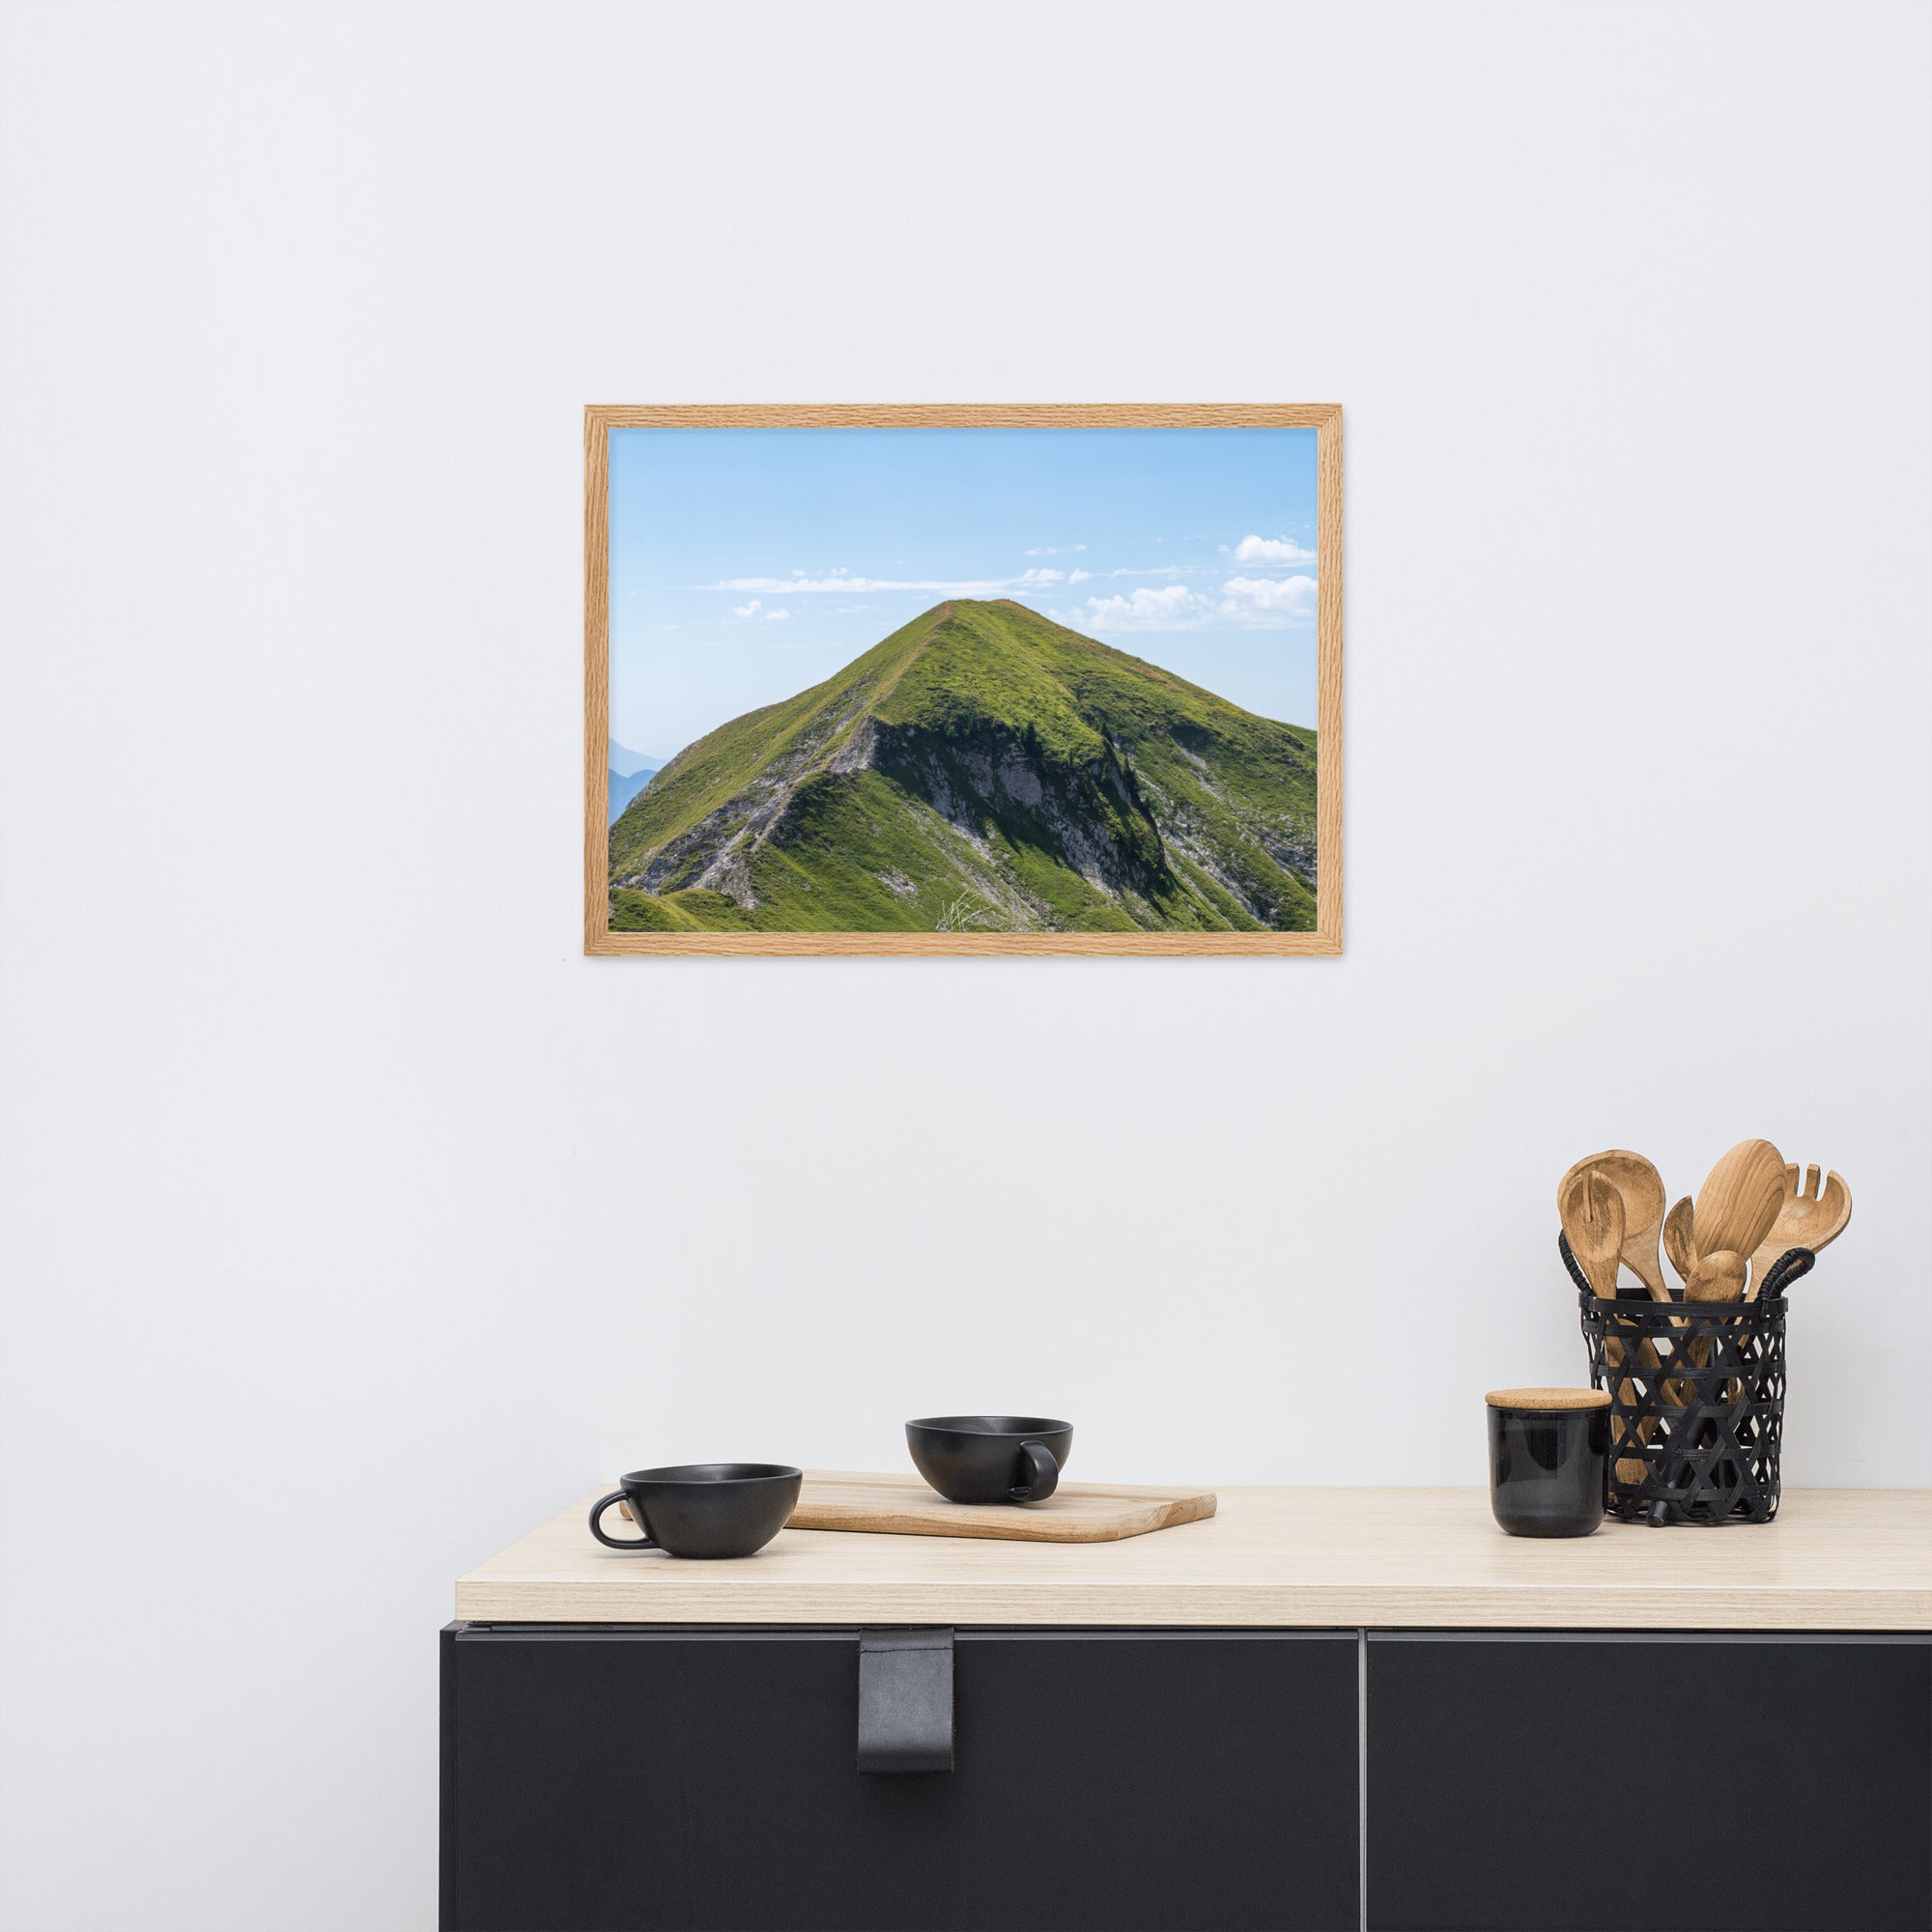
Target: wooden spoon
column 1641, row 1187
column 1680, row 1238
column 1593, row 1219
column 1740, row 1199
column 1680, row 1243
column 1718, row 1277
column 1808, row 1217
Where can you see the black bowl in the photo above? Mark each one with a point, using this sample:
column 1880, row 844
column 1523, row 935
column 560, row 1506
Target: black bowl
column 990, row 1459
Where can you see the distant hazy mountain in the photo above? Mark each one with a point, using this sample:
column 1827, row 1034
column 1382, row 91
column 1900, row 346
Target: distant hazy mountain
column 626, row 785
column 982, row 768
column 625, row 763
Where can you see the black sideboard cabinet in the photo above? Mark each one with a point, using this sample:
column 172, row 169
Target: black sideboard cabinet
column 1618, row 1782
column 598, row 1780
column 627, row 1777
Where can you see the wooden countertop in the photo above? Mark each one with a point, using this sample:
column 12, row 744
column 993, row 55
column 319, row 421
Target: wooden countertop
column 1834, row 1559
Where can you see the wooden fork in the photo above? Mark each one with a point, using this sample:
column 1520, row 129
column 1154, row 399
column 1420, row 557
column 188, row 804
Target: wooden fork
column 1810, row 1215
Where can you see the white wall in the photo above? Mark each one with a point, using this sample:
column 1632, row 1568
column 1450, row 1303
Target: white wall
column 356, row 1222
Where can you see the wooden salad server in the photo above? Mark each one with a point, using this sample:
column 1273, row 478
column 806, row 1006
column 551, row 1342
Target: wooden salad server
column 1641, row 1187
column 1810, row 1216
column 1735, row 1208
column 1591, row 1208
column 1739, row 1201
column 1592, row 1213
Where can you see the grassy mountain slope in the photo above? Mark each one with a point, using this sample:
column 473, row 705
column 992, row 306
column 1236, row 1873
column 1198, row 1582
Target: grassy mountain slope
column 982, row 768
column 626, row 785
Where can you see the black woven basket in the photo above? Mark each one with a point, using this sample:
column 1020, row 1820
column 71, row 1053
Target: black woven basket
column 1696, row 1400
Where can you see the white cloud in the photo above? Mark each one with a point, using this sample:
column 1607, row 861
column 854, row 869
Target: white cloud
column 800, row 585
column 843, row 581
column 777, row 616
column 1244, row 603
column 1258, row 600
column 1248, row 601
column 1049, row 550
column 1271, row 550
column 1174, row 608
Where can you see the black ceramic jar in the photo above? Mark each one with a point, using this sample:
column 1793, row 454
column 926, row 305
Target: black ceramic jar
column 1549, row 1458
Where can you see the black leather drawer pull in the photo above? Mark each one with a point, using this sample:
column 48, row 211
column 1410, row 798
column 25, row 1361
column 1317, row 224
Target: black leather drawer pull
column 905, row 1700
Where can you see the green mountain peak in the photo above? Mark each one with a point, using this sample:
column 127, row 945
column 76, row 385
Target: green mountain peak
column 981, row 767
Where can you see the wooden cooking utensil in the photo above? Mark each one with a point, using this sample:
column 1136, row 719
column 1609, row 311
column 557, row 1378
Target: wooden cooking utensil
column 1718, row 1277
column 1736, row 1207
column 1707, row 1243
column 1810, row 1216
column 1639, row 1184
column 1739, row 1200
column 1680, row 1243
column 1628, row 1471
column 1680, row 1238
column 1592, row 1210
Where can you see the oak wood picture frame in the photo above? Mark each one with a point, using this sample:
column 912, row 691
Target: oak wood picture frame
column 601, row 418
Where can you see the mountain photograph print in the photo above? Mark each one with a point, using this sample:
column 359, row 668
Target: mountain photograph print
column 986, row 680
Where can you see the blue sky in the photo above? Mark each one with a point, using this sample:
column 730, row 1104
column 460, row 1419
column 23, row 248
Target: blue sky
column 748, row 564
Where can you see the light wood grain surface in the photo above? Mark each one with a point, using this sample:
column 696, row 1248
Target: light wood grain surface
column 894, row 1505
column 1543, row 1401
column 1834, row 1559
column 601, row 418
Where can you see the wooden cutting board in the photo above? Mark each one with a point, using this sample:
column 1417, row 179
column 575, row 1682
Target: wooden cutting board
column 1075, row 1512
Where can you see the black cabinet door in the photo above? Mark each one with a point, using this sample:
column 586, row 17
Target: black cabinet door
column 600, row 1780
column 1693, row 1783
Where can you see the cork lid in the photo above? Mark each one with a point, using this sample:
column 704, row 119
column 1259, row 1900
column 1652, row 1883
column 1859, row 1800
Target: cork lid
column 1548, row 1399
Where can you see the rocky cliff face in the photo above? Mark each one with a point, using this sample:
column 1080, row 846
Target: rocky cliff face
column 982, row 768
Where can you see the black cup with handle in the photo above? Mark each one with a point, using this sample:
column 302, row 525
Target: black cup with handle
column 702, row 1509
column 990, row 1459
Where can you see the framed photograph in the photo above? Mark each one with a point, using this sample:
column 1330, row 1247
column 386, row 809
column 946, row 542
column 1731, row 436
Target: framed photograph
column 963, row 680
